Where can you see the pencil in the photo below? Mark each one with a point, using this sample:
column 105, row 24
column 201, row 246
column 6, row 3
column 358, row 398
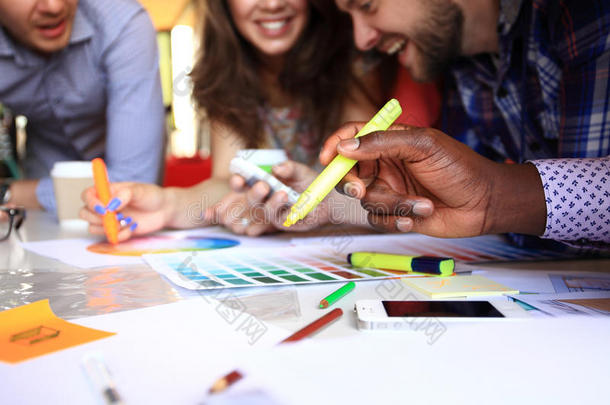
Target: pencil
column 234, row 376
column 337, row 295
column 102, row 186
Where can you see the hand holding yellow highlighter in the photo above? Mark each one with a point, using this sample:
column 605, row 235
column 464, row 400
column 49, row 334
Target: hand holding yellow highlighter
column 340, row 166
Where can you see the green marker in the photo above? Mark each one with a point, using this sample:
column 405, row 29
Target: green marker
column 337, row 295
column 440, row 266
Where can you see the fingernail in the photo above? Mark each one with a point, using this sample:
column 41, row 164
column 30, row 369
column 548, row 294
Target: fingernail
column 279, row 169
column 283, row 197
column 133, row 227
column 99, row 209
column 127, row 221
column 120, row 216
column 350, row 144
column 350, row 189
column 422, row 209
column 113, row 204
column 404, row 224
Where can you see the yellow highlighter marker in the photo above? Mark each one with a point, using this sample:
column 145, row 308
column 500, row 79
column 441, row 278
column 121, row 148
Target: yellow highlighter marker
column 438, row 266
column 338, row 168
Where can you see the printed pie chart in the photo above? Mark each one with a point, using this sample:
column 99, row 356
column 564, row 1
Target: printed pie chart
column 161, row 244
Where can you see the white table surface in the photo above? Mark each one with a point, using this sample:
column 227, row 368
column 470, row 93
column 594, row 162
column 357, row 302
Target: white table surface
column 40, row 226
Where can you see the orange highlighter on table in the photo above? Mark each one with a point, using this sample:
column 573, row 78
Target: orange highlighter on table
column 102, row 186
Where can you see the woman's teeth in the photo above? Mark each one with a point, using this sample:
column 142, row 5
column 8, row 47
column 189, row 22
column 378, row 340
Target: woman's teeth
column 273, row 25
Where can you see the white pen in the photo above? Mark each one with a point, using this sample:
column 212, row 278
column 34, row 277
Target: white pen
column 100, row 378
column 252, row 173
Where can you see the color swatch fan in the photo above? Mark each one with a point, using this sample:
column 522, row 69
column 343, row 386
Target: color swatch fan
column 162, row 244
column 251, row 267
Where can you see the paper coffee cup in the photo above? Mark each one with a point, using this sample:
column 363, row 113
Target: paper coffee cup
column 70, row 179
column 263, row 158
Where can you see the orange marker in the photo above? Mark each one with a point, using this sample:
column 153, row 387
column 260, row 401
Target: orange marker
column 102, row 186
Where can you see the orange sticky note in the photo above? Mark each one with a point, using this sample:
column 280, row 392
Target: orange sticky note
column 34, row 330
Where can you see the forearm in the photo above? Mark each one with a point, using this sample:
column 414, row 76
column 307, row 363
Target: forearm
column 517, row 201
column 23, row 193
column 187, row 206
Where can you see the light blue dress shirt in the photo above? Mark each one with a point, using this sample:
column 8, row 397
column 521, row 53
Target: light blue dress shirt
column 98, row 97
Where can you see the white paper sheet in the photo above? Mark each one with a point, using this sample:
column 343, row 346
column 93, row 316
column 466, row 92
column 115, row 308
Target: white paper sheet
column 74, row 251
column 169, row 354
column 544, row 361
column 578, row 282
column 552, row 304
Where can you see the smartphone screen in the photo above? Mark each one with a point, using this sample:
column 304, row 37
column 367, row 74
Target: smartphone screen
column 441, row 309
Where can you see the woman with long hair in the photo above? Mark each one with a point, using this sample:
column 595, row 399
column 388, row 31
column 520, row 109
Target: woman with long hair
column 270, row 74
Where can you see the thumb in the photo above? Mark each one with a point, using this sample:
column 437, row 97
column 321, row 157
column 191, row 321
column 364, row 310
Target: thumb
column 287, row 171
column 410, row 144
column 295, row 175
column 346, row 131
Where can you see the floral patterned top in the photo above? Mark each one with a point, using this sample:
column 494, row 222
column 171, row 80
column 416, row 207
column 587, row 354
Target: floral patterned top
column 284, row 129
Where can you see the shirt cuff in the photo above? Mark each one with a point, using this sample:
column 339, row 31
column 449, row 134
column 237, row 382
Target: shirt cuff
column 46, row 195
column 577, row 195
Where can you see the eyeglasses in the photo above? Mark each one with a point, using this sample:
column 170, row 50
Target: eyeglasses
column 16, row 216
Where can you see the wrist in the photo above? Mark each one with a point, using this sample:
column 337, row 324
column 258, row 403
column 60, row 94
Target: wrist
column 169, row 207
column 23, row 193
column 517, row 201
column 182, row 210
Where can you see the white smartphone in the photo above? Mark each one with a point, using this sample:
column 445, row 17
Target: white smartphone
column 380, row 315
column 253, row 174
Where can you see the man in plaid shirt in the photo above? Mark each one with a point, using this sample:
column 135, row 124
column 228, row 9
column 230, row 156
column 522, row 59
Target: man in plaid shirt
column 524, row 81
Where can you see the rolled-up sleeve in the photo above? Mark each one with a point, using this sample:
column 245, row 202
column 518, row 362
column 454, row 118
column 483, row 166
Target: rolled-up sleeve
column 46, row 195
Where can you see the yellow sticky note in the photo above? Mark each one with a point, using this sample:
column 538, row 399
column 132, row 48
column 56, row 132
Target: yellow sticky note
column 458, row 286
column 34, row 330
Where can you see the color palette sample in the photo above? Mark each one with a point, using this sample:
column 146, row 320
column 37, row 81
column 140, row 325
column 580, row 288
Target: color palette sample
column 162, row 244
column 250, row 267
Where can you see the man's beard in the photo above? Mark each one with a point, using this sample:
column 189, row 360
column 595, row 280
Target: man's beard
column 438, row 38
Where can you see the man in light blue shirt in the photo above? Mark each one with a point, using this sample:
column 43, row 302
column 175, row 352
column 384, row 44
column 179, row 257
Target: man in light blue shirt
column 86, row 75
